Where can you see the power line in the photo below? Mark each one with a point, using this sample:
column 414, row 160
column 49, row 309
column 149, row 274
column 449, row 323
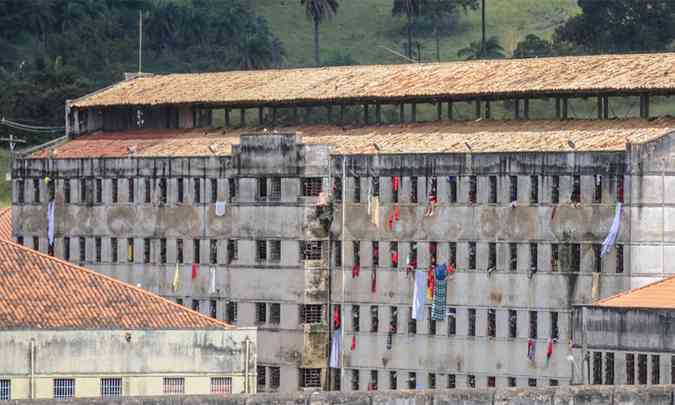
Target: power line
column 31, row 128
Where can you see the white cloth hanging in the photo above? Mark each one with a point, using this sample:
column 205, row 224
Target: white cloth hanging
column 220, row 208
column 613, row 232
column 50, row 223
column 335, row 349
column 212, row 280
column 176, row 278
column 419, row 295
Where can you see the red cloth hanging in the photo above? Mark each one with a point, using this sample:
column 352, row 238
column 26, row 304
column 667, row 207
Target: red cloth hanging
column 397, row 213
column 555, row 208
column 530, row 349
column 451, row 270
column 395, row 183
column 353, row 343
column 394, row 259
column 373, row 281
column 355, row 271
column 336, row 317
column 194, row 271
column 549, row 348
column 391, row 219
column 431, row 279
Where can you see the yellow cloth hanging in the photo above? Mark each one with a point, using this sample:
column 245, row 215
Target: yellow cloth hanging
column 176, row 278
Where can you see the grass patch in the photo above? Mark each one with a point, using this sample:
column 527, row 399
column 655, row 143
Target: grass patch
column 362, row 27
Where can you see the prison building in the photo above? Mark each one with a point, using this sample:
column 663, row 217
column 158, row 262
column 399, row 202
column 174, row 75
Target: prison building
column 626, row 339
column 302, row 200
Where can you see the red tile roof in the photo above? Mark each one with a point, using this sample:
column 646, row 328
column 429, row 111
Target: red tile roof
column 657, row 295
column 6, row 223
column 433, row 137
column 598, row 74
column 38, row 291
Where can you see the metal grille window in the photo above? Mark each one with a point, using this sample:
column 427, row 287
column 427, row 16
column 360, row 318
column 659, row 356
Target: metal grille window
column 221, row 385
column 452, row 381
column 261, row 189
column 130, row 250
column 66, row 191
column 233, row 189
column 311, row 186
column 597, row 259
column 491, row 322
column 195, row 305
column 555, row 257
column 82, row 248
column 275, row 313
column 148, row 191
column 64, row 388
column 513, row 256
column 213, row 251
column 357, row 189
column 393, row 320
column 261, row 251
column 471, row 381
column 619, row 189
column 196, row 254
column 356, row 318
column 413, row 190
column 36, row 190
column 453, row 189
column 163, row 191
column 312, row 313
column 375, row 185
column 232, row 250
column 337, row 248
column 597, row 190
column 534, row 189
column 213, row 309
column 374, row 318
column 111, row 387
column 412, row 323
column 83, row 190
column 376, row 253
column 531, row 382
column 162, row 251
column 511, row 382
column 214, row 190
column 275, row 251
column 99, row 191
column 492, row 198
column 597, row 368
column 555, row 333
column 146, row 250
column 114, row 185
column 514, row 188
column 275, row 189
column 372, row 384
column 576, row 189
column 21, row 193
column 197, row 191
column 432, row 323
column 179, row 250
column 355, row 380
column 656, row 369
column 231, row 312
column 513, row 323
column 555, row 189
column 260, row 312
column 492, row 256
column 619, row 258
column 310, row 377
column 311, row 250
column 5, row 390
column 630, row 369
column 533, row 325
column 131, row 195
column 97, row 245
column 534, row 258
column 260, row 378
column 181, row 191
column 412, row 381
column 472, row 255
column 174, row 385
column 609, row 368
column 393, row 380
column 491, row 381
column 432, row 381
column 473, row 189
column 471, row 320
column 275, row 378
column 452, row 321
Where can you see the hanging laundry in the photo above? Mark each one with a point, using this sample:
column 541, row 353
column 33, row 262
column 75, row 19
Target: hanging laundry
column 419, row 295
column 336, row 317
column 438, row 305
column 390, row 221
column 553, row 212
column 50, row 223
column 353, row 343
column 430, row 283
column 451, row 270
column 549, row 349
column 195, row 271
column 531, row 349
column 390, row 340
column 370, row 197
column 176, row 278
column 430, row 206
column 395, row 180
column 608, row 244
column 220, row 208
column 355, row 270
column 212, row 280
column 394, row 258
column 397, row 213
column 373, row 281
column 375, row 211
column 335, row 349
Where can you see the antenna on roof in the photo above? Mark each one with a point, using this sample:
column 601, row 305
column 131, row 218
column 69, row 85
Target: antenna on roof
column 140, row 40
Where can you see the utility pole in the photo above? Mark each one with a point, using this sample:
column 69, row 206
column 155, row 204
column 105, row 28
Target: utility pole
column 482, row 18
column 12, row 145
column 140, row 40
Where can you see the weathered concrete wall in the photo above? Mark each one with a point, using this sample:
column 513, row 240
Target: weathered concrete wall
column 577, row 395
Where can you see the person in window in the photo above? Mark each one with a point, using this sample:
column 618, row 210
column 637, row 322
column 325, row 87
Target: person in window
column 432, row 202
column 411, row 261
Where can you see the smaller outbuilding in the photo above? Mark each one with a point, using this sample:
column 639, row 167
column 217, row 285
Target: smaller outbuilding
column 69, row 332
column 627, row 338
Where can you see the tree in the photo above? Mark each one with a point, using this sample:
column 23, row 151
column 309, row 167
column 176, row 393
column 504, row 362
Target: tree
column 474, row 51
column 620, row 26
column 439, row 10
column 533, row 46
column 411, row 9
column 318, row 11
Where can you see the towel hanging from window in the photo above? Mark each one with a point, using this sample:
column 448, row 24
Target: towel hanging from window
column 335, row 350
column 613, row 232
column 50, row 223
column 176, row 278
column 419, row 295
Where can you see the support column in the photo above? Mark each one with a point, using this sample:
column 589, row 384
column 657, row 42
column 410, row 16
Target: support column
column 227, row 117
column 449, row 110
column 365, row 114
column 564, row 107
column 261, row 115
column 526, row 108
column 605, row 107
column 478, row 110
column 488, row 113
column 401, row 113
column 378, row 114
column 516, row 110
column 414, row 112
column 242, row 117
column 439, row 111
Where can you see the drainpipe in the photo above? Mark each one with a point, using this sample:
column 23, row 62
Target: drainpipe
column 246, row 359
column 32, row 369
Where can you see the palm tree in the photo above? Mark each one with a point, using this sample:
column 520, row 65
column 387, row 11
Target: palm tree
column 411, row 9
column 318, row 11
column 475, row 50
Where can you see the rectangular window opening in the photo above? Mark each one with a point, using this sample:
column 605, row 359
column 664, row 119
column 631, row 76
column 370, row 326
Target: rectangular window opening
column 533, row 325
column 111, row 388
column 412, row 323
column 261, row 189
column 555, row 332
column 148, row 191
column 146, row 250
column 115, row 191
column 619, row 189
column 472, row 255
column 356, row 318
column 130, row 194
column 432, row 381
column 114, row 252
column 452, row 197
column 312, row 313
column 337, row 251
column 555, row 257
column 64, row 388
column 514, row 188
column 534, row 189
column 619, row 258
column 98, row 249
column 374, row 318
column 513, row 323
column 393, row 380
column 163, row 191
column 597, row 189
column 311, row 186
column 180, row 197
column 233, row 189
column 452, row 321
column 197, row 191
column 376, row 253
column 214, row 190
column 375, row 184
column 656, row 369
column 393, row 320
column 491, row 382
column 534, row 258
column 232, row 250
column 471, row 381
column 372, row 384
column 576, row 190
column 597, row 259
column 275, row 313
column 213, row 309
column 99, row 191
column 491, row 323
column 311, row 250
column 597, row 368
column 471, row 320
column 452, row 381
column 179, row 251
column 83, row 249
column 213, row 251
column 260, row 312
column 261, row 251
column 5, row 390
column 452, row 256
column 492, row 256
column 492, row 199
column 275, row 378
column 275, row 189
column 196, row 254
column 275, row 251
column 174, row 385
column 231, row 312
column 609, row 368
column 630, row 369
column 221, row 385
column 511, row 382
column 357, row 189
column 432, row 322
column 413, row 190
column 473, row 189
column 355, row 380
column 412, row 381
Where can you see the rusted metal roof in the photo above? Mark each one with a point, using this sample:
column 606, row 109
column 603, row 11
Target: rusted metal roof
column 636, row 73
column 658, row 295
column 436, row 137
column 38, row 291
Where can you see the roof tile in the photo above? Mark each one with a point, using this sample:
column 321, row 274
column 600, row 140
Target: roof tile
column 658, row 295
column 6, row 223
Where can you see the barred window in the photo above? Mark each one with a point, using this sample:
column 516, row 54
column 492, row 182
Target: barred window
column 338, row 253
column 412, row 381
column 471, row 328
column 181, row 191
column 355, row 380
column 275, row 313
column 115, row 190
column 214, row 190
column 148, row 191
column 260, row 378
column 619, row 258
column 66, row 246
column 174, row 385
column 311, row 313
column 452, row 321
column 491, row 381
column 260, row 251
column 99, row 191
column 97, row 243
column 5, row 390
column 197, row 191
column 233, row 187
column 179, row 250
column 196, row 254
column 261, row 189
column 130, row 183
column 311, row 186
column 146, row 250
column 555, row 333
column 162, row 251
column 311, row 250
column 492, row 198
column 275, row 189
column 357, row 189
column 555, row 257
column 609, row 368
column 232, row 250
column 491, row 322
column 260, row 312
column 275, row 377
column 111, row 387
column 21, row 191
column 83, row 191
column 64, row 388
column 413, row 190
column 275, row 251
column 555, row 189
column 310, row 377
column 452, row 381
column 221, row 385
column 533, row 325
column 534, row 189
column 356, row 318
column 472, row 255
column 513, row 323
column 432, row 381
column 231, row 312
column 83, row 249
column 163, row 191
column 213, row 251
column 630, row 368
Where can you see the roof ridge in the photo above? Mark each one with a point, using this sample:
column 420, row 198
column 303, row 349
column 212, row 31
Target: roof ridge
column 116, row 281
column 634, row 290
